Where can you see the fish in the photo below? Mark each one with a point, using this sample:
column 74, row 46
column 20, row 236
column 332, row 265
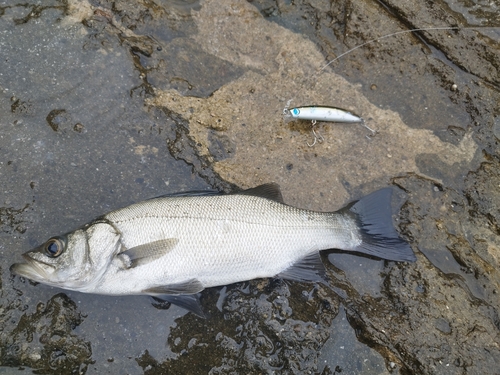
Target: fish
column 174, row 246
column 323, row 113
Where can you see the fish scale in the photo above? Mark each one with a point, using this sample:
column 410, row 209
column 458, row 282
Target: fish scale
column 176, row 246
column 264, row 237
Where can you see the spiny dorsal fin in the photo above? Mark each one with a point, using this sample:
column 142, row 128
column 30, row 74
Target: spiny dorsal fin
column 269, row 191
column 193, row 193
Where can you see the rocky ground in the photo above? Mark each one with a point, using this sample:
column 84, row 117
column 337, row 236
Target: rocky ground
column 107, row 103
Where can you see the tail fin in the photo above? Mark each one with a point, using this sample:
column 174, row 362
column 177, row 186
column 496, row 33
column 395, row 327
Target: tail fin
column 373, row 216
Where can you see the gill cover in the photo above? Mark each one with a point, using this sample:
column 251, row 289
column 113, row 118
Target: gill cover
column 74, row 261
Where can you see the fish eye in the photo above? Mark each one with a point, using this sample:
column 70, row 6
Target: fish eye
column 54, row 247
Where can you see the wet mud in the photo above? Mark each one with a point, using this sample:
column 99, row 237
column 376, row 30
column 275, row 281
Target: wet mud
column 107, row 103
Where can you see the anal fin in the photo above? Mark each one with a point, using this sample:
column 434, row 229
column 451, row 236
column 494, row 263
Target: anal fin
column 310, row 268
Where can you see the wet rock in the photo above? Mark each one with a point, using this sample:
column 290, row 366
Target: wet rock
column 35, row 11
column 485, row 207
column 183, row 147
column 181, row 66
column 496, row 128
column 44, row 340
column 443, row 325
column 470, row 51
column 19, row 106
column 259, row 328
column 220, row 146
column 278, row 74
column 454, row 314
column 12, row 219
column 437, row 316
column 58, row 118
column 79, row 128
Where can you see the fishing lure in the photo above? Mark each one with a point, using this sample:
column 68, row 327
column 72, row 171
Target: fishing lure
column 330, row 114
column 323, row 113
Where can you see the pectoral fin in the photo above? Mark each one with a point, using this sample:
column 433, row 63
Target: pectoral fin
column 148, row 252
column 310, row 268
column 191, row 286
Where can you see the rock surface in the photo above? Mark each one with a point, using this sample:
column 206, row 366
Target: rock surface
column 107, row 103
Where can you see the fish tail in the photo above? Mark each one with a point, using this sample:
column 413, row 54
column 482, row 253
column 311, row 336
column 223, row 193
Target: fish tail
column 373, row 216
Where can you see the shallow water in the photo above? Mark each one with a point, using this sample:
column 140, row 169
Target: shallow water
column 103, row 105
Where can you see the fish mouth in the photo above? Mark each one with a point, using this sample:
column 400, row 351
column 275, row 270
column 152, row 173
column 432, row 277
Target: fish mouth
column 32, row 269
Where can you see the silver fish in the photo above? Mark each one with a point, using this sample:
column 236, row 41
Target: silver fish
column 175, row 246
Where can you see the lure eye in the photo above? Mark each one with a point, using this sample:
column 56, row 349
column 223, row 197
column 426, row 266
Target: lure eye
column 54, row 247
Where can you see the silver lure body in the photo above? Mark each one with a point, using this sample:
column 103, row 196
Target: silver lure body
column 330, row 114
column 176, row 246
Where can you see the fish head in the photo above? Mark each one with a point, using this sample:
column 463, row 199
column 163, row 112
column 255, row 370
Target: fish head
column 74, row 261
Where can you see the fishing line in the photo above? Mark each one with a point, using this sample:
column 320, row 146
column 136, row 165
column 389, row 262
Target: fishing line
column 338, row 114
column 387, row 36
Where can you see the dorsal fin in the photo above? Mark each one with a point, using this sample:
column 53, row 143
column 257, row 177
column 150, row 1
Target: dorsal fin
column 269, row 191
column 193, row 193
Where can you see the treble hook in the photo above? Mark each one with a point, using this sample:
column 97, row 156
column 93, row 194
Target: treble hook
column 363, row 123
column 318, row 138
column 286, row 112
